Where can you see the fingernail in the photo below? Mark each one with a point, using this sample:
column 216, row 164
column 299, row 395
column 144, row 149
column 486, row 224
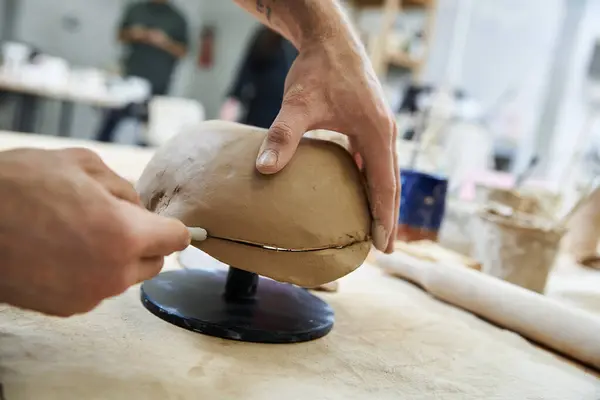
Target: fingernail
column 379, row 236
column 268, row 159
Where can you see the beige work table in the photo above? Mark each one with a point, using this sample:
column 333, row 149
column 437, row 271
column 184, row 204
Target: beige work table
column 390, row 341
column 127, row 161
column 67, row 95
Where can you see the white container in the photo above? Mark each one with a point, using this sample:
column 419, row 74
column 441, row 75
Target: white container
column 520, row 249
column 88, row 82
column 583, row 235
column 52, row 74
column 15, row 56
column 456, row 232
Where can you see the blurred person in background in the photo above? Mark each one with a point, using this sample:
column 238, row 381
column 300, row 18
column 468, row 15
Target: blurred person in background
column 257, row 91
column 155, row 36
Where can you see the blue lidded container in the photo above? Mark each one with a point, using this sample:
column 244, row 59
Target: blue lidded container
column 422, row 205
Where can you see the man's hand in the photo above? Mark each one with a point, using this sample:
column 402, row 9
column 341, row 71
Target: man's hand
column 153, row 37
column 136, row 33
column 73, row 233
column 161, row 40
column 157, row 38
column 332, row 86
column 231, row 110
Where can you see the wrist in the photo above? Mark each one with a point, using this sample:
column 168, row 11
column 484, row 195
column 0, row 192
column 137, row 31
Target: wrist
column 303, row 22
column 321, row 22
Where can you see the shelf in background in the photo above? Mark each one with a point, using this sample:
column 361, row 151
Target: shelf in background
column 403, row 60
column 379, row 43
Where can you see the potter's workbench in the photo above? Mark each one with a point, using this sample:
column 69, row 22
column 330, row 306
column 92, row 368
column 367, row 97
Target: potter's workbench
column 127, row 161
column 391, row 340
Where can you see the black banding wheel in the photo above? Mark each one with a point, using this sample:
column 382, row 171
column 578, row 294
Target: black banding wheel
column 237, row 305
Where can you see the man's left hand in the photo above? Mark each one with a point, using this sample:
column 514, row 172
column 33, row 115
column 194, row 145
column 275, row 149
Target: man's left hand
column 157, row 38
column 332, row 86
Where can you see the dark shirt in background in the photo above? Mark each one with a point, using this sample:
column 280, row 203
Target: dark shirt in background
column 148, row 62
column 260, row 80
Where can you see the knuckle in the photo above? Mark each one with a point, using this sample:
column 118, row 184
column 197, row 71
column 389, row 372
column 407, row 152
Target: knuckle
column 85, row 157
column 115, row 241
column 65, row 313
column 83, row 304
column 61, row 310
column 386, row 121
column 124, row 248
column 387, row 190
column 116, row 279
column 156, row 266
column 393, row 127
column 281, row 133
column 120, row 283
column 296, row 96
column 87, row 306
column 131, row 243
column 81, row 153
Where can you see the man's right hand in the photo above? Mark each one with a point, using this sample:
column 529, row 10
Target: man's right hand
column 73, row 233
column 136, row 33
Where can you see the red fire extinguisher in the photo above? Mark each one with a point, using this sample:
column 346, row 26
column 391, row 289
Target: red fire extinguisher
column 207, row 48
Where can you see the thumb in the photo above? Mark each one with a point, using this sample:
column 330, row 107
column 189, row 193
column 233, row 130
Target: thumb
column 159, row 236
column 282, row 140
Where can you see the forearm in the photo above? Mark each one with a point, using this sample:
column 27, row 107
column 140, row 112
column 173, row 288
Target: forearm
column 126, row 36
column 301, row 21
column 176, row 49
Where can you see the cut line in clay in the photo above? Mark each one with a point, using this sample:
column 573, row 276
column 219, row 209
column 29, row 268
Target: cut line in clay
column 280, row 249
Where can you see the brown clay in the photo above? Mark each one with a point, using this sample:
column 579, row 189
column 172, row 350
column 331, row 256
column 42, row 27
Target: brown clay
column 316, row 206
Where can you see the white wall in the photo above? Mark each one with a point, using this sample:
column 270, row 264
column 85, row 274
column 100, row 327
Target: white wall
column 509, row 44
column 185, row 75
column 40, row 22
column 573, row 113
column 233, row 28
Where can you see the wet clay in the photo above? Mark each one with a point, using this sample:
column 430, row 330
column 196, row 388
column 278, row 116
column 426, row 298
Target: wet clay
column 307, row 225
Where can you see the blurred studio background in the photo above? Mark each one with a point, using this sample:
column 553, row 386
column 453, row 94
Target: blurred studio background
column 492, row 91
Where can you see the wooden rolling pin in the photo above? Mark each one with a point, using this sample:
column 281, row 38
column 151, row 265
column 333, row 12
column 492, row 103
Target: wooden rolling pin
column 566, row 330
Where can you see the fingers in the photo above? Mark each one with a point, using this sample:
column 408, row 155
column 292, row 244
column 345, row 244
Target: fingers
column 354, row 150
column 282, row 140
column 149, row 268
column 93, row 165
column 118, row 187
column 153, row 235
column 390, row 248
column 380, row 170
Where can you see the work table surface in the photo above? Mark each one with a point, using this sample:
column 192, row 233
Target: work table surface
column 127, row 161
column 390, row 340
